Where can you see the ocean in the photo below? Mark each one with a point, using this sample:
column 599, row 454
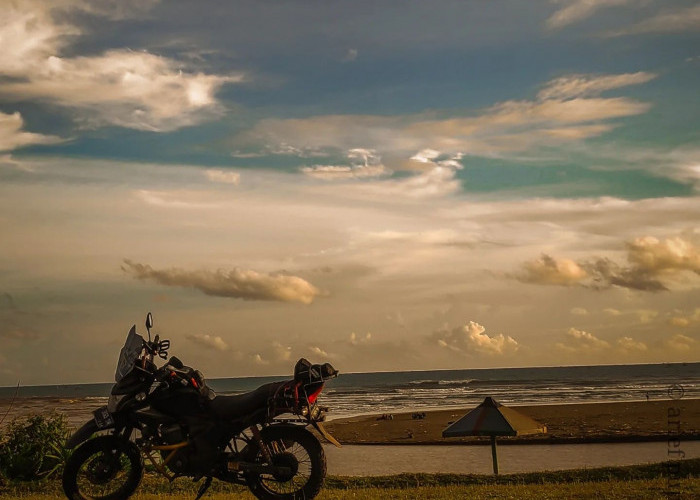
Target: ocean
column 354, row 394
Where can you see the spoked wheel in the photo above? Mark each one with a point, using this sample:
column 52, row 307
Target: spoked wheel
column 103, row 468
column 300, row 457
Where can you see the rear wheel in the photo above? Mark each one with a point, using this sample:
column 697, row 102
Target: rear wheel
column 299, row 454
column 103, row 468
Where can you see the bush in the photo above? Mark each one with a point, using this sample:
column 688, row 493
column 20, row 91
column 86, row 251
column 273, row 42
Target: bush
column 33, row 447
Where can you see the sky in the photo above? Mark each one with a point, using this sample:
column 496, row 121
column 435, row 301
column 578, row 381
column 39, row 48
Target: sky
column 397, row 185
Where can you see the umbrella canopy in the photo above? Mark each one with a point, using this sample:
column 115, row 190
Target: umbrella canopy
column 491, row 418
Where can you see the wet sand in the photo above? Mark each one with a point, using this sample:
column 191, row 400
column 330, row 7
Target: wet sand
column 566, row 423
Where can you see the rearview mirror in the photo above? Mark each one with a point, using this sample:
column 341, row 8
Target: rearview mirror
column 149, row 321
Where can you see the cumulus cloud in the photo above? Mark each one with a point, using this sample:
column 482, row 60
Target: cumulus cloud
column 574, row 11
column 209, row 341
column 12, row 135
column 628, row 345
column 667, row 21
column 579, row 340
column 658, row 256
column 650, row 262
column 118, row 87
column 237, row 283
column 472, row 339
column 579, row 311
column 548, row 270
column 223, row 176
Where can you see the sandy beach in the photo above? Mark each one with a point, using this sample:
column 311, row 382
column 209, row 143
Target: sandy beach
column 566, row 423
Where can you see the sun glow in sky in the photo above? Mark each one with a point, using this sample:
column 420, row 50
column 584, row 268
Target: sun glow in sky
column 384, row 185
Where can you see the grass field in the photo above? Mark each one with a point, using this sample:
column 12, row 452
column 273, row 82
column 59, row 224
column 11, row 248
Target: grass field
column 634, row 482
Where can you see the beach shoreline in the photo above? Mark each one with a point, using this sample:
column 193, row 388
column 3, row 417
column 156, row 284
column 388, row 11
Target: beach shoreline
column 602, row 422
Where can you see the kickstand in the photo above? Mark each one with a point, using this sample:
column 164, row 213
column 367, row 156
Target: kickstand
column 203, row 489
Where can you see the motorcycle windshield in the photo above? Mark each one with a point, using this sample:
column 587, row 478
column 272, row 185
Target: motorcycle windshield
column 129, row 354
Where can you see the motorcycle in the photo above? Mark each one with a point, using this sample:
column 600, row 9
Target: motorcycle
column 169, row 417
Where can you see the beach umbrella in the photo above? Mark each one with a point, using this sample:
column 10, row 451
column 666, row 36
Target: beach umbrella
column 493, row 419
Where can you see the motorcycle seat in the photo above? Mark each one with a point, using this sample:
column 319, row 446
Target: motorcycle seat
column 239, row 405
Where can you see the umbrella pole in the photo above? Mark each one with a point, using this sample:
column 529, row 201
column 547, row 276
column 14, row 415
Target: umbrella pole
column 494, row 454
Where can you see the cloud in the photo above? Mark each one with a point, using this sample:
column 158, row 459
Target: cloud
column 579, row 340
column 209, row 341
column 223, row 176
column 578, row 10
column 472, row 339
column 259, row 360
column 680, row 343
column 579, row 311
column 548, row 270
column 610, row 311
column 12, row 136
column 658, row 256
column 628, row 345
column 573, row 86
column 567, row 109
column 605, row 273
column 275, row 353
column 360, row 340
column 667, row 21
column 319, row 352
column 350, row 55
column 649, row 261
column 118, row 87
column 363, row 163
column 237, row 283
column 679, row 322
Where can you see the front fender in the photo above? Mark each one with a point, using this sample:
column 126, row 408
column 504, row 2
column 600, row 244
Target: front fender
column 82, row 434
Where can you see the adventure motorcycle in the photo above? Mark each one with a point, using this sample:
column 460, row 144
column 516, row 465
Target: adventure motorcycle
column 171, row 418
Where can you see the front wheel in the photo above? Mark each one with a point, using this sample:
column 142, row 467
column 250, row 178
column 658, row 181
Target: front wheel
column 103, row 468
column 297, row 450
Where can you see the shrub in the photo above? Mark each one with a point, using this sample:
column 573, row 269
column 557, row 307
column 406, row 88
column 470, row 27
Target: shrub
column 33, row 447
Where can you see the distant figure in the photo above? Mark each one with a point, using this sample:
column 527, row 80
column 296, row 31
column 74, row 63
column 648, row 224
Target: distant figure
column 418, row 416
column 647, row 395
column 386, row 416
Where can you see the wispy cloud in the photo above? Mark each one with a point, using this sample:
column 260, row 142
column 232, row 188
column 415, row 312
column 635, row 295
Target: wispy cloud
column 223, row 176
column 669, row 20
column 237, row 283
column 573, row 86
column 12, row 135
column 567, row 109
column 575, row 11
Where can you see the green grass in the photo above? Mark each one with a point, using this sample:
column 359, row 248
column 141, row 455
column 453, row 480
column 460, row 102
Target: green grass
column 640, row 481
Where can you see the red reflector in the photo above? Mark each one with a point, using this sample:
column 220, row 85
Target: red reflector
column 194, row 383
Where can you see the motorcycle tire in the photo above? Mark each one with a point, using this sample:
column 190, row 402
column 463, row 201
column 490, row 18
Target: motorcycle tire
column 98, row 463
column 297, row 449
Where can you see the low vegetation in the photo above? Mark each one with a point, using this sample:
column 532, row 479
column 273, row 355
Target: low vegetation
column 638, row 482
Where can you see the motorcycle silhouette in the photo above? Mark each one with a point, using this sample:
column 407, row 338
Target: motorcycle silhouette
column 169, row 417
